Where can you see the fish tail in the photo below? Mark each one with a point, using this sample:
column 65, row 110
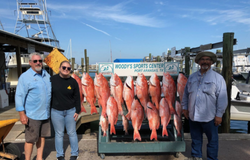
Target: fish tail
column 120, row 110
column 83, row 109
column 153, row 135
column 164, row 131
column 128, row 116
column 178, row 134
column 104, row 134
column 93, row 109
column 112, row 129
column 172, row 110
column 137, row 135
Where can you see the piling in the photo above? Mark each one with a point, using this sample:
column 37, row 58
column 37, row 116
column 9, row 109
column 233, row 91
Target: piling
column 73, row 63
column 228, row 41
column 18, row 61
column 187, row 60
column 85, row 56
column 82, row 64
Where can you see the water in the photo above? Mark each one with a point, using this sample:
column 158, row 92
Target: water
column 238, row 126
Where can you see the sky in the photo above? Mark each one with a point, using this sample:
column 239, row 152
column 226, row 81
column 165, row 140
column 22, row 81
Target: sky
column 135, row 28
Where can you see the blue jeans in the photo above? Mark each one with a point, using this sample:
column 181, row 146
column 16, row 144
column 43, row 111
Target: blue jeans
column 60, row 120
column 196, row 131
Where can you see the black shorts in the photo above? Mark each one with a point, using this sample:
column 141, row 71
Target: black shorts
column 37, row 128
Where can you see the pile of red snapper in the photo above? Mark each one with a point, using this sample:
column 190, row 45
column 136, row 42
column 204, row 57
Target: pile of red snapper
column 147, row 104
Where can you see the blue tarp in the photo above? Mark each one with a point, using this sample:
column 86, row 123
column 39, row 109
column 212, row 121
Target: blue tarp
column 127, row 60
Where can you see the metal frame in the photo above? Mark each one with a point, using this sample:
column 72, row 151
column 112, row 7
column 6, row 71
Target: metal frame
column 33, row 17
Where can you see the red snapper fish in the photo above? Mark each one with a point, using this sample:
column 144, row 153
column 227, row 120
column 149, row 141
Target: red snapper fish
column 169, row 90
column 104, row 125
column 142, row 90
column 165, row 115
column 178, row 108
column 125, row 124
column 153, row 120
column 117, row 91
column 128, row 94
column 178, row 124
column 155, row 90
column 102, row 91
column 137, row 116
column 89, row 91
column 78, row 80
column 181, row 83
column 112, row 113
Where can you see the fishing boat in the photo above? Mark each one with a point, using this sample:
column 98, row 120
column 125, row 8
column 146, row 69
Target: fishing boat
column 240, row 101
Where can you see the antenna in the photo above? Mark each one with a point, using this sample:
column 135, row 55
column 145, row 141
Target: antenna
column 1, row 25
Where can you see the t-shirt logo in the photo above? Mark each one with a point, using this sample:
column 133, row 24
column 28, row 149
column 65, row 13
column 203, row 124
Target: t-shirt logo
column 69, row 88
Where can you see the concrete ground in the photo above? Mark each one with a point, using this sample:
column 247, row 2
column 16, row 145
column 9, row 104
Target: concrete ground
column 231, row 147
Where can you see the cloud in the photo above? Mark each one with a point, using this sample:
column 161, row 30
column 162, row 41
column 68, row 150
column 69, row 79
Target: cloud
column 98, row 12
column 159, row 3
column 96, row 29
column 214, row 16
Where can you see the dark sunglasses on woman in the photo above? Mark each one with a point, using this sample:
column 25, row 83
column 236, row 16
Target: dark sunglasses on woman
column 68, row 68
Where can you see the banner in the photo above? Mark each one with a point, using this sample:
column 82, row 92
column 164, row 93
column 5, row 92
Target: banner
column 132, row 69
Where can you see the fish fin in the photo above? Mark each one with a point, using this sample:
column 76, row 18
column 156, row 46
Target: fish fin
column 153, row 135
column 93, row 110
column 112, row 129
column 164, row 131
column 83, row 109
column 137, row 135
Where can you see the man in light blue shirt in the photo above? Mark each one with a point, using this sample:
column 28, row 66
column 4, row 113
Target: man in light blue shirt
column 204, row 102
column 32, row 100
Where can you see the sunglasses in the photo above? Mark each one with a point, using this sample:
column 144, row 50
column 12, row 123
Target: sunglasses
column 64, row 68
column 35, row 61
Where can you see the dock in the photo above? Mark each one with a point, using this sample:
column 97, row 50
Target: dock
column 11, row 113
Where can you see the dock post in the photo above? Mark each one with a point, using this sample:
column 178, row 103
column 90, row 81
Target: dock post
column 18, row 62
column 85, row 57
column 72, row 64
column 82, row 64
column 187, row 59
column 228, row 41
column 87, row 65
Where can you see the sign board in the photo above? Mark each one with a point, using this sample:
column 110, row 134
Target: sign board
column 54, row 59
column 132, row 69
column 173, row 51
column 31, row 48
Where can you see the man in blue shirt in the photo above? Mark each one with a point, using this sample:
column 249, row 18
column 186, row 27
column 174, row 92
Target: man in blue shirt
column 32, row 100
column 204, row 102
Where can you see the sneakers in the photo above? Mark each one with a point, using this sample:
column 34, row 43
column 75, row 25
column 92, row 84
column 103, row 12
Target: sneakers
column 73, row 158
column 60, row 158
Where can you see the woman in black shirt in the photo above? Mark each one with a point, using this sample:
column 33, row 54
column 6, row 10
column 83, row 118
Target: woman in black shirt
column 65, row 105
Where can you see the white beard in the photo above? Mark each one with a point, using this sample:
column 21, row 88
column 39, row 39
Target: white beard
column 204, row 67
column 38, row 69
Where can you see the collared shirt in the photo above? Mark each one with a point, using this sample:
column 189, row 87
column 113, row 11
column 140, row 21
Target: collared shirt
column 205, row 96
column 33, row 94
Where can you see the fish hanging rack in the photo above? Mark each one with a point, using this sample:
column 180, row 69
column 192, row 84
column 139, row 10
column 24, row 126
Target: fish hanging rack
column 124, row 144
